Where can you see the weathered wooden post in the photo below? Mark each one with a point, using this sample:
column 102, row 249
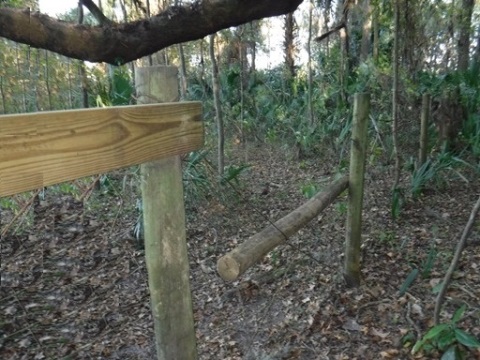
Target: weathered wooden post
column 355, row 195
column 164, row 228
column 422, row 156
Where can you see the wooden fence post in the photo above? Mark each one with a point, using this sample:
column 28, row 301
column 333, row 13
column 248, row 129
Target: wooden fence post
column 355, row 189
column 422, row 156
column 164, row 229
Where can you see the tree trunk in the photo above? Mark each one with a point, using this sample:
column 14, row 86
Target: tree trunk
column 464, row 24
column 183, row 73
column 47, row 81
column 376, row 34
column 367, row 30
column 396, row 151
column 422, row 156
column 289, row 45
column 2, row 96
column 218, row 108
column 309, row 64
column 84, row 82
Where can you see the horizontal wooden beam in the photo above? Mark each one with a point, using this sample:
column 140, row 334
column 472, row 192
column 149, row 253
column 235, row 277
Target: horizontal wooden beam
column 47, row 148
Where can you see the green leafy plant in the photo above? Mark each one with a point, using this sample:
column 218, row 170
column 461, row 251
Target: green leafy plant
column 408, row 282
column 309, row 190
column 448, row 339
column 232, row 173
column 429, row 262
column 432, row 169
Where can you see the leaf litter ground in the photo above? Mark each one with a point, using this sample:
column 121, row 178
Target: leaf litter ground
column 74, row 282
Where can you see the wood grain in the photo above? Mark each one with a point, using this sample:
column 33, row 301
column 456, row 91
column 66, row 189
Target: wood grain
column 47, row 148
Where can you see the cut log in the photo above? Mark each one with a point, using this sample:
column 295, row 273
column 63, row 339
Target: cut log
column 237, row 261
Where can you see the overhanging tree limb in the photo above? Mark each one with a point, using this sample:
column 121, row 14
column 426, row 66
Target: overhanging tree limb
column 120, row 43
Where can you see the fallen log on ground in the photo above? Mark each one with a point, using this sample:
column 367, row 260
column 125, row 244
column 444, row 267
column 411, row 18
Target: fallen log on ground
column 237, row 261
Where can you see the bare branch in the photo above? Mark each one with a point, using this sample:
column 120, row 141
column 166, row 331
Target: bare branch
column 330, row 32
column 96, row 12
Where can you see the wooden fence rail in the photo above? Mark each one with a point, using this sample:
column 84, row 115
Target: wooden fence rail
column 47, row 148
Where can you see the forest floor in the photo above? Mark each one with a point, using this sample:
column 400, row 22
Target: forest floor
column 74, row 283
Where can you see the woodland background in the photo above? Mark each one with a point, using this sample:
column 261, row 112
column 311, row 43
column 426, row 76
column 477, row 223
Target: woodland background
column 276, row 132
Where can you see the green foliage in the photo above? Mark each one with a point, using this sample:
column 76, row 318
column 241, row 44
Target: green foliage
column 408, row 282
column 429, row 262
column 436, row 170
column 232, row 173
column 196, row 174
column 309, row 190
column 114, row 90
column 448, row 339
column 8, row 203
column 201, row 179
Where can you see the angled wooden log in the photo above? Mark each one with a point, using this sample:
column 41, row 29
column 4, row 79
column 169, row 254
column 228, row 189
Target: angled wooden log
column 237, row 261
column 164, row 228
column 47, row 148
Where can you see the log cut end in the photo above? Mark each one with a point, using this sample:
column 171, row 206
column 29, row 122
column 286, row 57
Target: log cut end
column 228, row 268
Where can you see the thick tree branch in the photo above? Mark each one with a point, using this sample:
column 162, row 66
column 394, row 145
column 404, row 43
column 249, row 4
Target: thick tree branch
column 121, row 43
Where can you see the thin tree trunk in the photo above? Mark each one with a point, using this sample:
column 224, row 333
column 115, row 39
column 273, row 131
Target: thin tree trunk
column 183, row 73
column 310, row 71
column 47, row 81
column 202, row 62
column 70, row 87
column 150, row 58
column 2, row 95
column 396, row 153
column 243, row 79
column 255, row 27
column 425, row 116
column 289, row 44
column 367, row 29
column 22, row 79
column 376, row 35
column 465, row 22
column 84, row 81
column 218, row 109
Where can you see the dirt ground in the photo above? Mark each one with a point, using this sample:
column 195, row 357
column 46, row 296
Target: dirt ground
column 74, row 283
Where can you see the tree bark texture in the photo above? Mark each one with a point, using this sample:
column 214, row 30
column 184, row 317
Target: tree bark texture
column 358, row 151
column 425, row 117
column 120, row 43
column 395, row 60
column 218, row 108
column 465, row 22
column 289, row 44
column 237, row 261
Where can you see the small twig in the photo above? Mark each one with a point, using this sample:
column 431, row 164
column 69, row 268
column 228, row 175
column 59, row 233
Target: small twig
column 22, row 211
column 86, row 194
column 371, row 303
column 413, row 323
column 453, row 265
column 35, row 338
